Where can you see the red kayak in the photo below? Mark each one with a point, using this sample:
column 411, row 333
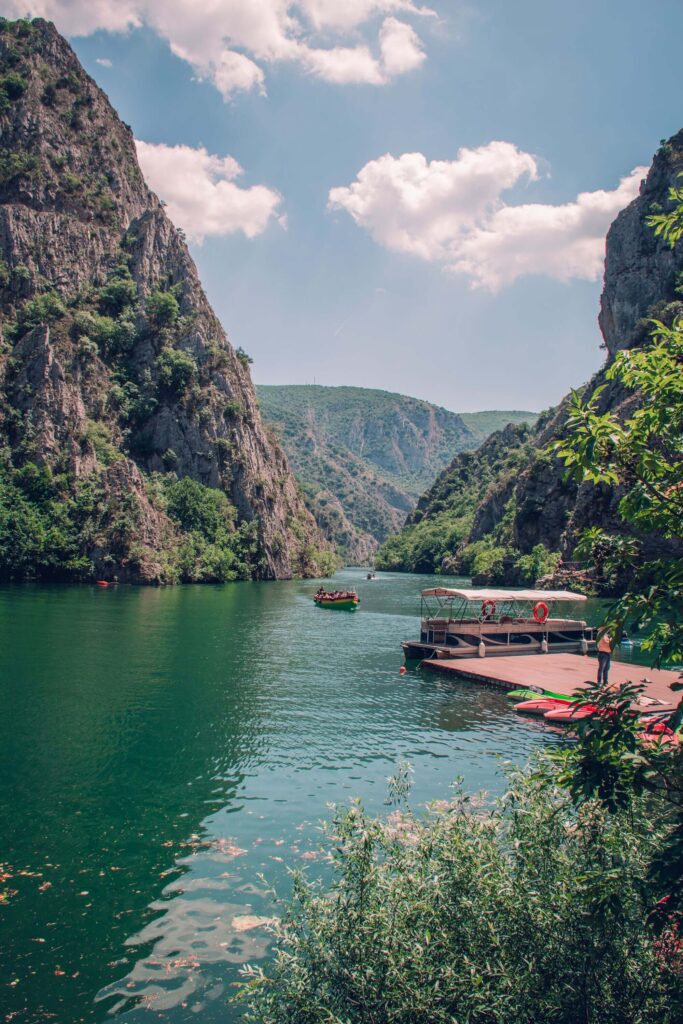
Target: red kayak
column 570, row 714
column 658, row 730
column 102, row 583
column 667, row 737
column 541, row 705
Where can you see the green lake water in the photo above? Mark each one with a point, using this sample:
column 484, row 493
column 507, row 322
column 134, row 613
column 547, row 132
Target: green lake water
column 161, row 748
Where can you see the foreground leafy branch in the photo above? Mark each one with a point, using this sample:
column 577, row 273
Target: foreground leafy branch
column 533, row 910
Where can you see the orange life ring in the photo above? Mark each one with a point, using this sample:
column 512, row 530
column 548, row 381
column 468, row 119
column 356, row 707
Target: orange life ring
column 541, row 612
column 488, row 607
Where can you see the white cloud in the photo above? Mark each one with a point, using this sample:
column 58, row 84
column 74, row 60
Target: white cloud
column 103, row 62
column 201, row 194
column 81, row 17
column 410, row 205
column 400, row 48
column 564, row 242
column 348, row 14
column 343, row 65
column 229, row 41
column 233, row 72
column 452, row 213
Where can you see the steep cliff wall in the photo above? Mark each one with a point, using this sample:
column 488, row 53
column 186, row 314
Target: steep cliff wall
column 114, row 365
column 526, row 500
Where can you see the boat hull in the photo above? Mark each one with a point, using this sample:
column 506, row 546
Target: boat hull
column 344, row 604
column 416, row 649
column 541, row 705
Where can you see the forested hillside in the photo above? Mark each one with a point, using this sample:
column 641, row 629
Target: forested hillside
column 363, row 456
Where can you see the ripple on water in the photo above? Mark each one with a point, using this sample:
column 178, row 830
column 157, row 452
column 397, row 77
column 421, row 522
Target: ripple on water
column 164, row 748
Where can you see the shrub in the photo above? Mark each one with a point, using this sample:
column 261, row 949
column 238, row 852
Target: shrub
column 176, row 369
column 39, row 533
column 99, row 435
column 16, row 165
column 44, row 309
column 199, row 509
column 12, row 88
column 49, row 95
column 483, row 557
column 243, row 357
column 233, row 409
column 530, row 912
column 162, row 309
column 540, row 562
column 170, row 460
column 101, row 329
column 213, row 549
column 21, row 274
column 71, row 182
column 118, row 294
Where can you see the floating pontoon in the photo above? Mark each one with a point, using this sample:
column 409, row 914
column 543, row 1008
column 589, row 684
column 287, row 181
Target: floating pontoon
column 471, row 623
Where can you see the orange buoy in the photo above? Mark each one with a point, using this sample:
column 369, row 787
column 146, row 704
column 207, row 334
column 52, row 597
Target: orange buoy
column 541, row 612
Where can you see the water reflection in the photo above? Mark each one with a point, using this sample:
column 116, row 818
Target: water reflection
column 160, row 748
column 127, row 722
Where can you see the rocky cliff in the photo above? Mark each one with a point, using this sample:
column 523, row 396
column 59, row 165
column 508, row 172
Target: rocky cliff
column 522, row 504
column 115, row 375
column 364, row 456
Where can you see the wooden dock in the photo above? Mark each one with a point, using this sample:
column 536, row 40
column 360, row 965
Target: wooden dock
column 559, row 673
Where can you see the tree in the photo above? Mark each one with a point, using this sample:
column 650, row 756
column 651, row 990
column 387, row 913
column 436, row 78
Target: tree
column 643, row 455
column 531, row 912
column 176, row 370
column 162, row 309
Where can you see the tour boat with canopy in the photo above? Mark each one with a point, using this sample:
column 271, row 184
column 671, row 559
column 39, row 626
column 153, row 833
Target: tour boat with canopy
column 347, row 600
column 470, row 623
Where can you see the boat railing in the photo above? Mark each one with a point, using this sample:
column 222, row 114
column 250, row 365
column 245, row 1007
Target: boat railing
column 500, row 620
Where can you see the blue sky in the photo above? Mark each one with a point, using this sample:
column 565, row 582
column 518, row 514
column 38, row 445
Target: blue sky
column 467, row 274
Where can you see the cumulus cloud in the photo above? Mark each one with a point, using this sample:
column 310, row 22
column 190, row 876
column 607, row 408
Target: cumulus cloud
column 229, row 41
column 200, row 192
column 400, row 48
column 103, row 62
column 452, row 213
column 348, row 14
column 564, row 242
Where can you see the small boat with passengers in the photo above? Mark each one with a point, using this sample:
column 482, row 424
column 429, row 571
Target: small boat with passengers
column 481, row 623
column 345, row 599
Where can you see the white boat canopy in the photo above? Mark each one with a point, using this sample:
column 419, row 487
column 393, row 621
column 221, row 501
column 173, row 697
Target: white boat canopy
column 505, row 595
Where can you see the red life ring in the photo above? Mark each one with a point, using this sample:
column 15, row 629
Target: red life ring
column 488, row 607
column 541, row 612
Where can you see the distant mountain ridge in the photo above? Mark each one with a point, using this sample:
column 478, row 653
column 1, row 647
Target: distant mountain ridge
column 363, row 456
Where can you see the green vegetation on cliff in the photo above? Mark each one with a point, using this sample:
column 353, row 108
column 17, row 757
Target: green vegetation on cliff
column 120, row 394
column 440, row 534
column 508, row 512
column 363, row 456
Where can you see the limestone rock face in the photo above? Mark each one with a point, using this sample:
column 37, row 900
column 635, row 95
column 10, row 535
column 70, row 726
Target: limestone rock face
column 73, row 207
column 54, row 408
column 640, row 269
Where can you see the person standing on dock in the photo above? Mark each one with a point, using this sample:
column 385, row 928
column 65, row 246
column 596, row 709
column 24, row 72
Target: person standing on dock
column 604, row 658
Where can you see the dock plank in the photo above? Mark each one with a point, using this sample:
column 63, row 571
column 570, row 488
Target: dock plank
column 561, row 673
